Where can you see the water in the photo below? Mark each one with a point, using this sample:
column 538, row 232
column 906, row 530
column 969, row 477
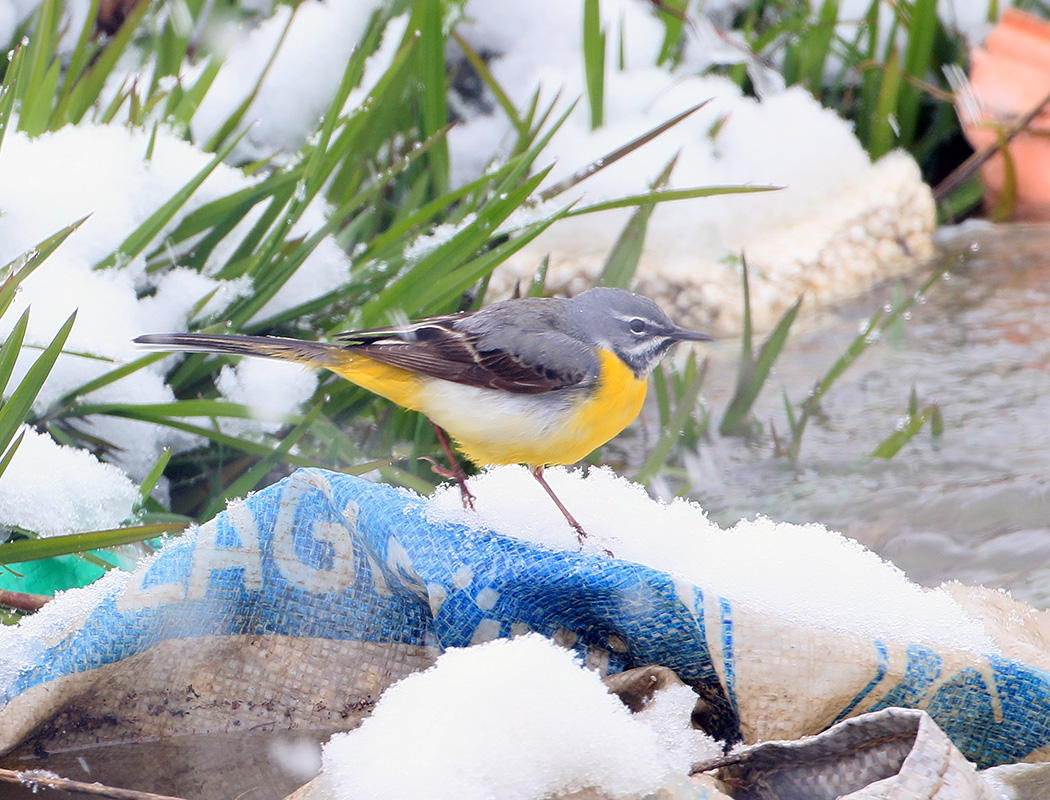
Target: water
column 971, row 505
column 248, row 765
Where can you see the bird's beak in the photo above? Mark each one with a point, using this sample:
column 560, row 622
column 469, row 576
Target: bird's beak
column 683, row 335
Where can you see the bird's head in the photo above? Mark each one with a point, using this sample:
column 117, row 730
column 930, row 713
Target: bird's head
column 633, row 327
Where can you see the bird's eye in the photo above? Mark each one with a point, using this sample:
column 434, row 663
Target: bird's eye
column 637, row 325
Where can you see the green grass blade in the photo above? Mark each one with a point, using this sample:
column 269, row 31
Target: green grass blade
column 40, row 55
column 521, row 124
column 622, row 261
column 139, row 239
column 36, row 109
column 457, row 282
column 36, row 549
column 611, row 158
column 14, row 411
column 752, row 376
column 883, row 135
column 594, row 60
column 83, row 51
column 672, row 15
column 149, row 483
column 684, row 407
column 10, row 88
column 538, row 284
column 189, row 101
column 153, row 412
column 217, row 437
column 6, row 460
column 891, row 445
column 668, row 195
column 434, row 273
column 10, row 350
column 435, row 90
column 89, row 87
column 107, row 378
column 922, row 31
column 817, row 48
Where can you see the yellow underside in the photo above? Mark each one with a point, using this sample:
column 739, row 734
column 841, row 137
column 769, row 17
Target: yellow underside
column 493, row 427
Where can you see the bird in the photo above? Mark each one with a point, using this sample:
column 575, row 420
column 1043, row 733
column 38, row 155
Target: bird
column 539, row 381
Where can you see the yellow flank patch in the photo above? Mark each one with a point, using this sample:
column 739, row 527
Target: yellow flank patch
column 395, row 384
column 549, row 428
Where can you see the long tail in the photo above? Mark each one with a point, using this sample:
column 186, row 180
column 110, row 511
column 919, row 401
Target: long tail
column 317, row 354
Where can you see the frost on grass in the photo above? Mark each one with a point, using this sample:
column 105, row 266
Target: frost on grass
column 52, row 489
column 804, row 574
column 511, row 720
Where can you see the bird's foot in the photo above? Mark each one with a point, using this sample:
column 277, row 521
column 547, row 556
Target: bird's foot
column 581, row 534
column 454, row 475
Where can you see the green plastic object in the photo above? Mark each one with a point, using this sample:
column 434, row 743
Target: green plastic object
column 50, row 575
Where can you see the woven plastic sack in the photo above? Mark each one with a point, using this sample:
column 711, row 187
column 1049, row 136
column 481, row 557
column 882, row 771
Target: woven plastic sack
column 295, row 608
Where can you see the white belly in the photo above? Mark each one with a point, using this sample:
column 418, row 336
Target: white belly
column 497, row 427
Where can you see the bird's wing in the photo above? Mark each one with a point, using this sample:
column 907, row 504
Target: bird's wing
column 532, row 363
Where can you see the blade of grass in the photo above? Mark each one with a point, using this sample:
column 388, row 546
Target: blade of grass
column 10, row 350
column 40, row 56
column 684, row 407
column 138, row 239
column 611, row 158
column 892, row 444
column 594, row 60
column 23, row 266
column 753, row 374
column 225, row 131
column 106, row 379
column 14, row 411
column 435, row 90
column 149, row 482
column 922, row 31
column 6, row 460
column 668, row 195
column 521, row 125
column 623, row 258
column 883, row 133
column 89, row 87
column 36, row 549
column 818, row 40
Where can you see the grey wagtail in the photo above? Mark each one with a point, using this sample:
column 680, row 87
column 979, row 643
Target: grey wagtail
column 536, row 381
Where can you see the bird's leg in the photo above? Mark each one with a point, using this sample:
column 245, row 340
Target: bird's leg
column 455, row 472
column 581, row 534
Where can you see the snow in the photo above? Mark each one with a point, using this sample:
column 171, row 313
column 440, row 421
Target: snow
column 515, row 720
column 788, row 140
column 26, row 643
column 48, row 183
column 803, row 574
column 272, row 390
column 320, row 40
column 52, row 489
